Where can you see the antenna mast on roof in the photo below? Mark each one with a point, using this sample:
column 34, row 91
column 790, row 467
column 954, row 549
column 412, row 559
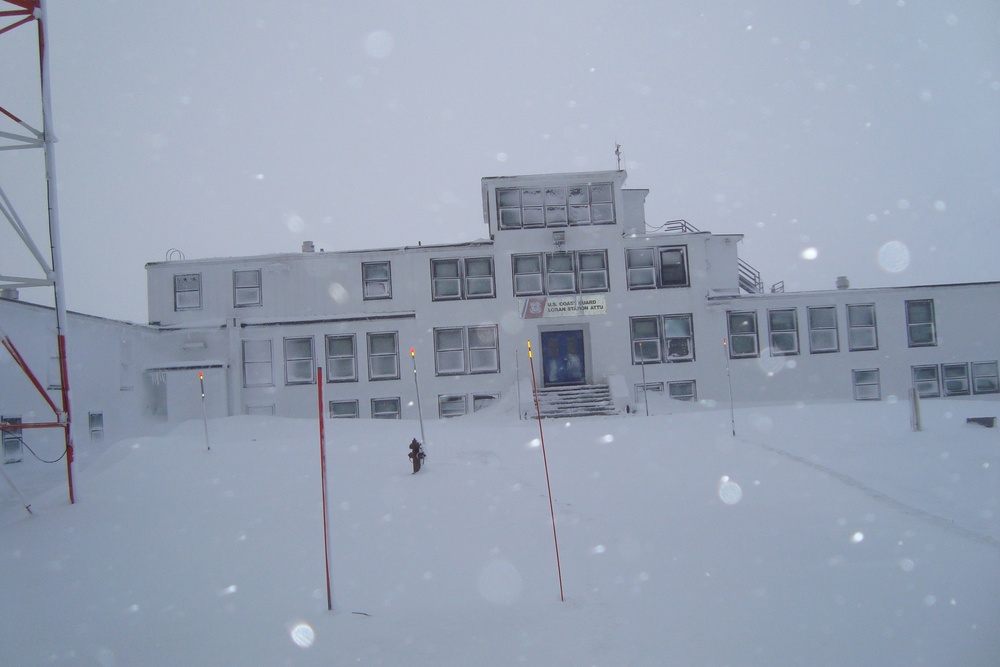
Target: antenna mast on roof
column 618, row 155
column 15, row 13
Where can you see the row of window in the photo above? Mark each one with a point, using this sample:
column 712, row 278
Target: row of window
column 449, row 405
column 585, row 204
column 457, row 351
column 564, row 272
column 932, row 381
column 862, row 330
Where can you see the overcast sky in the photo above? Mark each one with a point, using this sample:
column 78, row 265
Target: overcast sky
column 820, row 130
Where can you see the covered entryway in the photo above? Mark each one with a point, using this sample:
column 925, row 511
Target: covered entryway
column 563, row 358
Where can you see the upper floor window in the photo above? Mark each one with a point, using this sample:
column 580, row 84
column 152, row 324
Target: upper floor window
column 341, row 359
column 187, row 291
column 561, row 273
column 246, row 288
column 823, row 329
column 462, row 278
column 588, row 204
column 257, row 363
column 383, row 356
column 648, row 268
column 920, row 329
column 861, row 330
column 299, row 366
column 742, row 334
column 783, row 326
column 377, row 280
column 662, row 339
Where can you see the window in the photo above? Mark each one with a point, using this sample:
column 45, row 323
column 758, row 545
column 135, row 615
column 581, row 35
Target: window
column 343, row 409
column 560, row 273
column 645, row 340
column 955, row 378
column 299, row 361
column 861, row 333
column 866, row 385
column 823, row 329
column 984, row 377
column 648, row 268
column 257, row 363
column 260, row 410
column 681, row 391
column 187, row 291
column 920, row 330
column 451, row 406
column 480, row 401
column 594, row 271
column 527, row 274
column 95, row 421
column 385, row 408
column 643, row 390
column 784, row 331
column 925, row 381
column 668, row 338
column 341, row 359
column 246, row 288
column 742, row 335
column 563, row 273
column 459, row 350
column 586, row 204
column 462, row 278
column 383, row 356
column 377, row 280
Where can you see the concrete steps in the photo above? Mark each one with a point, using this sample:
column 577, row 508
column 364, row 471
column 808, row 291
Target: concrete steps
column 585, row 400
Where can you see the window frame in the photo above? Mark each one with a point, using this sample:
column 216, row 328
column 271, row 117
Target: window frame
column 179, row 280
column 254, row 288
column 813, row 329
column 470, row 353
column 332, row 377
column 253, row 363
column 858, row 328
column 350, row 402
column 554, row 206
column 857, row 385
column 369, row 283
column 645, row 267
column 458, row 399
column 773, row 332
column 692, row 396
column 912, row 325
column 928, row 392
column 373, row 356
column 394, row 413
column 541, row 280
column 962, row 378
column 741, row 335
column 976, row 369
column 291, row 362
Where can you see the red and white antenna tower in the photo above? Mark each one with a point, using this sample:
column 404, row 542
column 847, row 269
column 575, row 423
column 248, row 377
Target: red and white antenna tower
column 21, row 14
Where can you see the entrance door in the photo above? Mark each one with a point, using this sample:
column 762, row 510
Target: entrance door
column 562, row 357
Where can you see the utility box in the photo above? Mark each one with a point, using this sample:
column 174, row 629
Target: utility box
column 12, row 443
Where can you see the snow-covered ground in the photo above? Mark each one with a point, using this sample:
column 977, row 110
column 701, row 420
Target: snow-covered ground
column 821, row 535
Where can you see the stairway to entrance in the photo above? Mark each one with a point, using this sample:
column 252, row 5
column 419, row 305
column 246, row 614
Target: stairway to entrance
column 585, row 400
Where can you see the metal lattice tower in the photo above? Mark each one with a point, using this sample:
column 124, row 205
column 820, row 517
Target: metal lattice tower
column 22, row 15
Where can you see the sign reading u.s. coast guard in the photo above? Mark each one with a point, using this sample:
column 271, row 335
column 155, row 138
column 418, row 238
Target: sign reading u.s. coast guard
column 562, row 306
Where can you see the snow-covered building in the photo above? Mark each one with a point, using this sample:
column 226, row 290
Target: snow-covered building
column 567, row 263
column 610, row 309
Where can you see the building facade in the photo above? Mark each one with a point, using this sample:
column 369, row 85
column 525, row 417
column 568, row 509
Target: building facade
column 568, row 265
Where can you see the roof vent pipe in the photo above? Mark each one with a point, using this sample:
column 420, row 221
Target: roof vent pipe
column 307, row 246
column 843, row 282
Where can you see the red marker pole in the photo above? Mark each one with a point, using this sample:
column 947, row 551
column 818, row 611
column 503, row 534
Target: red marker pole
column 545, row 461
column 204, row 410
column 322, row 463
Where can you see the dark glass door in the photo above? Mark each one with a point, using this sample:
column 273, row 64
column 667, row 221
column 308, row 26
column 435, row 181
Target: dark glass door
column 562, row 357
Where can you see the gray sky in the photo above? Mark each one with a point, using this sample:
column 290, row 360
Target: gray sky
column 821, row 130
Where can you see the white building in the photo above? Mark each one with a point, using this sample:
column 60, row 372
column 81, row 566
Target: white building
column 566, row 263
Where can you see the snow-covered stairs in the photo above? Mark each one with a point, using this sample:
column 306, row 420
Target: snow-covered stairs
column 585, row 400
